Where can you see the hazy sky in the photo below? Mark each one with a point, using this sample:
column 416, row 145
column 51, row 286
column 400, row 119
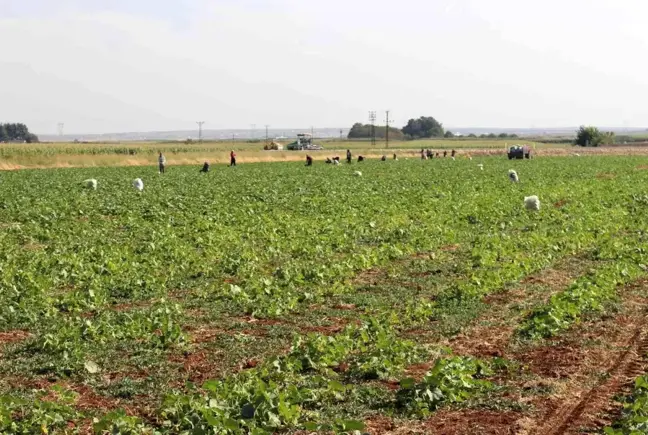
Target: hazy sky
column 139, row 65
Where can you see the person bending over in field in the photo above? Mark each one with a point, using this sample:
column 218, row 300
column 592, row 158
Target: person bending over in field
column 453, row 153
column 328, row 160
column 445, row 154
column 360, row 159
column 430, row 154
column 384, row 158
column 348, row 156
column 309, row 161
column 162, row 163
column 232, row 158
column 205, row 167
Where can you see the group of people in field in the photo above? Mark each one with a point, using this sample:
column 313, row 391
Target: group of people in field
column 425, row 154
column 205, row 168
column 429, row 154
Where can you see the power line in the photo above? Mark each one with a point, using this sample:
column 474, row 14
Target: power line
column 200, row 124
column 387, row 129
column 372, row 131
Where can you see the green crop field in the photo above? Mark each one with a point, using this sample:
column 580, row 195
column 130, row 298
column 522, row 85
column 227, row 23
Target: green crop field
column 419, row 297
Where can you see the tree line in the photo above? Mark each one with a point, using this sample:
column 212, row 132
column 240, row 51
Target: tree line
column 420, row 128
column 16, row 132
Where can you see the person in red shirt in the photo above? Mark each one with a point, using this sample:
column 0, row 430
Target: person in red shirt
column 232, row 158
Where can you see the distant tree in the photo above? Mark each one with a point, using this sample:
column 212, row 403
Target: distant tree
column 492, row 136
column 425, row 126
column 503, row 135
column 448, row 134
column 358, row 131
column 472, row 135
column 16, row 132
column 513, row 136
column 483, row 136
column 593, row 137
column 363, row 131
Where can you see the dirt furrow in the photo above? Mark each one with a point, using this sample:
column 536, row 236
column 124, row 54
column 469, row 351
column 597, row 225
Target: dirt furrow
column 587, row 413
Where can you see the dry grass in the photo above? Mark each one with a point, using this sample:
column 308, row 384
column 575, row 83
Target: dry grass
column 68, row 160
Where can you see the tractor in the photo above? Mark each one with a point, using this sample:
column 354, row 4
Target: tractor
column 304, row 142
column 519, row 152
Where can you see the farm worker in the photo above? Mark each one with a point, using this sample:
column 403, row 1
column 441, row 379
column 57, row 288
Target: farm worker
column 395, row 158
column 445, row 153
column 162, row 162
column 309, row 161
column 384, row 158
column 232, row 158
column 360, row 158
column 453, row 153
column 423, row 154
column 429, row 154
column 348, row 156
column 205, row 167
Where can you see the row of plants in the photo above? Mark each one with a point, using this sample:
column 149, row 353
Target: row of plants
column 634, row 418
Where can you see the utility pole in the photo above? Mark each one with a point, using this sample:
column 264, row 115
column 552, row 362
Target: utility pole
column 266, row 142
column 372, row 131
column 387, row 129
column 200, row 124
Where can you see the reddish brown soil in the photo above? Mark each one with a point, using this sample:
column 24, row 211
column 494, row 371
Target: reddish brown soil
column 568, row 383
column 13, row 336
column 449, row 422
column 204, row 334
column 561, row 203
column 491, row 337
column 593, row 375
column 325, row 330
column 197, row 366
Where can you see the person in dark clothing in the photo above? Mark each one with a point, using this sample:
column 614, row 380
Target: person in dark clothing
column 445, row 154
column 162, row 163
column 360, row 159
column 337, row 159
column 429, row 154
column 395, row 158
column 437, row 155
column 232, row 158
column 205, row 167
column 384, row 158
column 348, row 156
column 453, row 153
column 309, row 161
column 328, row 160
